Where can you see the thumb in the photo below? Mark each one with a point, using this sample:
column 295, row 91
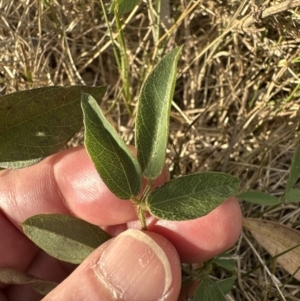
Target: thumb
column 135, row 265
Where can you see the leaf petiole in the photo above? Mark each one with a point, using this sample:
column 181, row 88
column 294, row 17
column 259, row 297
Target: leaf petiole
column 146, row 190
column 141, row 204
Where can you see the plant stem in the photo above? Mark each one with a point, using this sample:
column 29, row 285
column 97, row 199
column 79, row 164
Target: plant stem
column 142, row 217
column 110, row 35
column 146, row 191
column 141, row 206
column 124, row 63
column 120, row 55
column 113, row 104
column 140, row 211
column 158, row 25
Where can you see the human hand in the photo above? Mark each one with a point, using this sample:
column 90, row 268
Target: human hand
column 135, row 265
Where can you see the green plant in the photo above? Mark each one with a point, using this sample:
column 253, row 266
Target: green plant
column 48, row 117
column 281, row 242
column 291, row 193
column 29, row 122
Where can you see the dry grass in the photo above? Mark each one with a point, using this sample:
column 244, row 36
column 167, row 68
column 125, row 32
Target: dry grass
column 236, row 105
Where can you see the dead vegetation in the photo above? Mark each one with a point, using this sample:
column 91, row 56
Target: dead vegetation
column 237, row 99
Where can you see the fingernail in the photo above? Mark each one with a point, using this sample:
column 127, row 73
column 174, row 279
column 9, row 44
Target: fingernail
column 134, row 267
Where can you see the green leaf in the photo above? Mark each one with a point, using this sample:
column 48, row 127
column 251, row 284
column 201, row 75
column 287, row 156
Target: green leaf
column 294, row 171
column 64, row 237
column 293, row 196
column 208, row 290
column 191, row 196
column 124, row 6
column 258, row 197
column 226, row 285
column 39, row 122
column 12, row 276
column 117, row 167
column 225, row 263
column 153, row 114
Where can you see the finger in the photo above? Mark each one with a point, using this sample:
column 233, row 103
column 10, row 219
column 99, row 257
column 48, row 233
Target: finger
column 64, row 182
column 203, row 238
column 87, row 196
column 44, row 267
column 69, row 179
column 14, row 247
column 36, row 190
column 195, row 240
column 134, row 266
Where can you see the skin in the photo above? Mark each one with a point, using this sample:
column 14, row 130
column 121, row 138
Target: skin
column 68, row 183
